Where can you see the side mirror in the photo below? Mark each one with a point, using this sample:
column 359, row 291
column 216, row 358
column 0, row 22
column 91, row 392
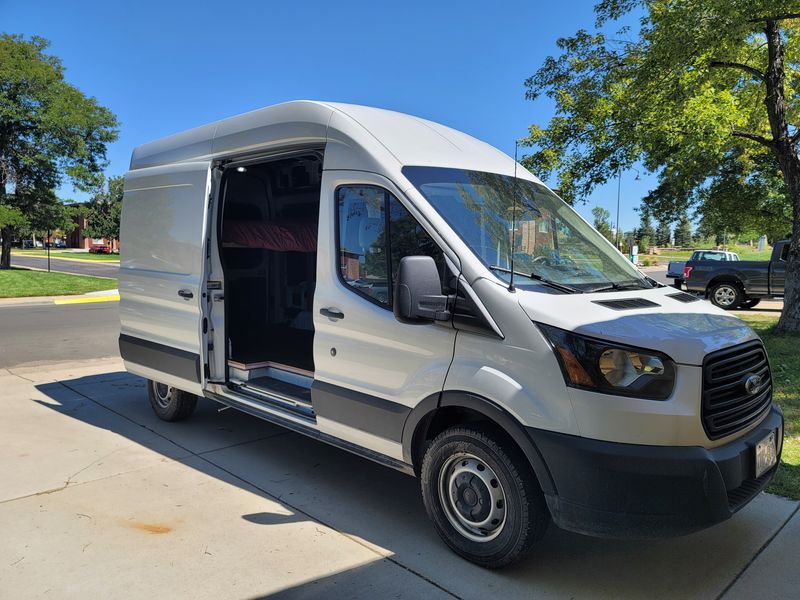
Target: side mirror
column 418, row 291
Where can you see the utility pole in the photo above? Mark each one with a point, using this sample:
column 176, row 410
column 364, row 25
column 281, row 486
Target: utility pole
column 619, row 188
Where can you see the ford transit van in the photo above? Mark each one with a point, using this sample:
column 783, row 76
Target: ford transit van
column 403, row 291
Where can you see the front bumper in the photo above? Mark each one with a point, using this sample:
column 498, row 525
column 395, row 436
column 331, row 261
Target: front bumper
column 617, row 490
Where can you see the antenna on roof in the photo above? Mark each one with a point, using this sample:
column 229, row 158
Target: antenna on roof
column 511, row 287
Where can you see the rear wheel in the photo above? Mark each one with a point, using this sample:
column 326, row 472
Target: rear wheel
column 677, row 283
column 726, row 295
column 482, row 496
column 169, row 403
column 750, row 303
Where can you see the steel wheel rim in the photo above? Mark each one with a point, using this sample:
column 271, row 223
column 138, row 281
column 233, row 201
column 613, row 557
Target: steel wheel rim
column 725, row 295
column 163, row 392
column 472, row 497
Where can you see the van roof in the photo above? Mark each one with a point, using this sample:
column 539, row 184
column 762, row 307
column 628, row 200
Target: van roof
column 364, row 137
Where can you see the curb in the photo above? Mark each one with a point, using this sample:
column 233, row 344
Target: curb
column 102, row 296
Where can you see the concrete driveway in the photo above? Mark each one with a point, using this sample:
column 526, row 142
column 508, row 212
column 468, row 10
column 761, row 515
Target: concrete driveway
column 101, row 499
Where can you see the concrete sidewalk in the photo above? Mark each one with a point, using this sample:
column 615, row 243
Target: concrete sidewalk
column 101, row 499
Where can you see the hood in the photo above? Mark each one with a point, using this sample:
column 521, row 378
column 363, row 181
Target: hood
column 685, row 331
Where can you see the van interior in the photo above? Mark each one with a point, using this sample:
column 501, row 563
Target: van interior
column 270, row 217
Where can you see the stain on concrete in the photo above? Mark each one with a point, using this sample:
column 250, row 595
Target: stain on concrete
column 156, row 528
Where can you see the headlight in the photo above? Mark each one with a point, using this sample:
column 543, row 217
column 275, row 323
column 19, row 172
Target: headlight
column 610, row 368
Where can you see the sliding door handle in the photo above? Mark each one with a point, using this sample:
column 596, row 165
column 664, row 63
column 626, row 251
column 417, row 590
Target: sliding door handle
column 185, row 294
column 331, row 313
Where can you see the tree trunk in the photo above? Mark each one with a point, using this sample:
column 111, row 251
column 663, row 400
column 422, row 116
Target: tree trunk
column 786, row 153
column 5, row 255
column 790, row 317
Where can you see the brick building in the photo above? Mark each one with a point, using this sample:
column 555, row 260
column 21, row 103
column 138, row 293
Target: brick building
column 77, row 238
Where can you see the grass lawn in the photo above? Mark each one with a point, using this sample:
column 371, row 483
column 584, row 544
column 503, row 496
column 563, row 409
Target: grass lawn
column 67, row 254
column 18, row 283
column 785, row 361
column 744, row 252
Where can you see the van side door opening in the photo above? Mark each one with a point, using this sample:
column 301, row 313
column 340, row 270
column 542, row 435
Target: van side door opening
column 268, row 251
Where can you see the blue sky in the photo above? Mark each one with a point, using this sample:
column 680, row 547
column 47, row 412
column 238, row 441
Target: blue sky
column 167, row 66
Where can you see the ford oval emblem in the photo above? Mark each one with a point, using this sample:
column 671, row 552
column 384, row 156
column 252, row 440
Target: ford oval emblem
column 752, row 384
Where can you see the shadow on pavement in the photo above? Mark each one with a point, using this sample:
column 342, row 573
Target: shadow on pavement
column 382, row 509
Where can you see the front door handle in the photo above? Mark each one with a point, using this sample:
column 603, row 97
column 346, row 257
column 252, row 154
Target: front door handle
column 331, row 313
column 185, row 294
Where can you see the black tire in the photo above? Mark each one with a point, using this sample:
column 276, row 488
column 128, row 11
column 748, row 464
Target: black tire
column 169, row 403
column 452, row 463
column 726, row 295
column 749, row 303
column 677, row 283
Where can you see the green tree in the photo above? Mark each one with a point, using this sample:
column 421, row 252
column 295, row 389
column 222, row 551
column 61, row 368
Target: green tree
column 662, row 238
column 44, row 212
column 683, row 232
column 747, row 197
column 104, row 210
column 699, row 80
column 11, row 217
column 645, row 233
column 49, row 131
column 602, row 222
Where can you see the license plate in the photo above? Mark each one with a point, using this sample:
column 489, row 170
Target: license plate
column 766, row 454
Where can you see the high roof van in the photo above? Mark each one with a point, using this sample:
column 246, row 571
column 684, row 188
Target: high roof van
column 403, row 291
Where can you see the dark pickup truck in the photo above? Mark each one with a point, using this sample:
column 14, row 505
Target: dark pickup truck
column 738, row 284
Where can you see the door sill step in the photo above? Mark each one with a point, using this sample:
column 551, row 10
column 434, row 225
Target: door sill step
column 278, row 395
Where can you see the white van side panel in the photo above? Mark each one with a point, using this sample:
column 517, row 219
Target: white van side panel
column 370, row 369
column 162, row 238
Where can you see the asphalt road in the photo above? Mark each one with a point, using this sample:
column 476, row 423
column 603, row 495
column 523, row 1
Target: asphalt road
column 43, row 333
column 99, row 269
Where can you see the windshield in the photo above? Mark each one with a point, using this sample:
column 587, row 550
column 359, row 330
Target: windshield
column 551, row 242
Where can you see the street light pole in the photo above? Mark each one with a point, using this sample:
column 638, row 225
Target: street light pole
column 619, row 188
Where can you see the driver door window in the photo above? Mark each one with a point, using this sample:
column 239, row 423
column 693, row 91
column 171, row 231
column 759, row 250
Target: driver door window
column 375, row 231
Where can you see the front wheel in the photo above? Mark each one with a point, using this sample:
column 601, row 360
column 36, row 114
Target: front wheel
column 482, row 496
column 169, row 403
column 726, row 295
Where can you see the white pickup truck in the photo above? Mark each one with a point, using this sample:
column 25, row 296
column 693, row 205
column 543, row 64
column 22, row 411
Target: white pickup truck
column 675, row 268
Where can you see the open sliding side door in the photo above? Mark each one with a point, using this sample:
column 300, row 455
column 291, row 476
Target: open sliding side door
column 161, row 278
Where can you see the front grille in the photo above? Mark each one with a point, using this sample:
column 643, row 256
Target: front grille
column 728, row 406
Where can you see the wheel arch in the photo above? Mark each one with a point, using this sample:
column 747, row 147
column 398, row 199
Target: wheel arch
column 727, row 277
column 453, row 407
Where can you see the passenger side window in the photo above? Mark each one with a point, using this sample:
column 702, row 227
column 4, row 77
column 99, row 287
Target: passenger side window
column 368, row 251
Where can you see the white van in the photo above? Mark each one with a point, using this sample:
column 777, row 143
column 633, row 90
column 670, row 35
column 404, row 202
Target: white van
column 346, row 272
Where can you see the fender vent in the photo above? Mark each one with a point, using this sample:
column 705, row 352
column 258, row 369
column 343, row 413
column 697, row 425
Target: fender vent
column 683, row 297
column 626, row 303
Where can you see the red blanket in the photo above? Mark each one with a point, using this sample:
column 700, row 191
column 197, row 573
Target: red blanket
column 283, row 237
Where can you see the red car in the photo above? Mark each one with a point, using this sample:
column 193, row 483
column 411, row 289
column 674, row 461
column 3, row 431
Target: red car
column 100, row 249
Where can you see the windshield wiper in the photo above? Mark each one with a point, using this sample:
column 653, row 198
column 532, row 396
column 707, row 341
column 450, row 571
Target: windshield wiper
column 615, row 287
column 558, row 286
